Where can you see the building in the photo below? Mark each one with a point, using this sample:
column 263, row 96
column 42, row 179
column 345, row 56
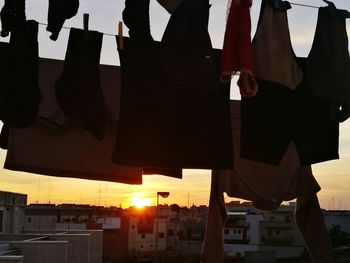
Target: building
column 12, row 209
column 250, row 230
column 71, row 218
column 36, row 245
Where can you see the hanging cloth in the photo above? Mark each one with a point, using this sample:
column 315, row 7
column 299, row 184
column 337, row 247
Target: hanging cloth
column 59, row 11
column 283, row 116
column 170, row 5
column 237, row 53
column 68, row 151
column 13, row 17
column 266, row 186
column 329, row 60
column 273, row 56
column 172, row 118
column 19, row 89
column 78, row 90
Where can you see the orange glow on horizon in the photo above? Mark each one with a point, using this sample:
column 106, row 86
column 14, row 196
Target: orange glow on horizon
column 139, row 200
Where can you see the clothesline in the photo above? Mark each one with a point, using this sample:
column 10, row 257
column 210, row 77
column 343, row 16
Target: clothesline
column 310, row 6
column 68, row 28
column 113, row 35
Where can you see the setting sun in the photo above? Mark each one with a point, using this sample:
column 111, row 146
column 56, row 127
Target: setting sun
column 139, row 200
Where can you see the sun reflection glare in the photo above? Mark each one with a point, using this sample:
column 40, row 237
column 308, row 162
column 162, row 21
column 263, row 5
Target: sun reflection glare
column 139, row 200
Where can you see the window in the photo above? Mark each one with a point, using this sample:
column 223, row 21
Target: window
column 161, row 235
column 132, row 227
column 141, row 246
column 239, row 231
column 170, row 232
column 226, row 231
column 277, row 232
column 29, row 219
column 143, row 236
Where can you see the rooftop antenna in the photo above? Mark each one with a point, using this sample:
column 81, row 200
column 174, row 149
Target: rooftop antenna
column 99, row 194
column 37, row 200
column 188, row 199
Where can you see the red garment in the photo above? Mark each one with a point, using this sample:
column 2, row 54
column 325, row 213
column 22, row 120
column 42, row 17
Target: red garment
column 237, row 55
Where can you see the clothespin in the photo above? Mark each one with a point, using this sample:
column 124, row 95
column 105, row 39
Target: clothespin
column 120, row 35
column 86, row 25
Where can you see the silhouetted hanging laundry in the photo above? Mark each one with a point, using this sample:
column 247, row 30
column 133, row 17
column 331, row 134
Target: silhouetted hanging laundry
column 59, row 11
column 13, row 16
column 78, row 90
column 170, row 5
column 282, row 116
column 329, row 60
column 166, row 121
column 19, row 90
column 273, row 54
column 136, row 18
column 266, row 186
column 4, row 136
column 186, row 47
column 237, row 52
column 68, row 151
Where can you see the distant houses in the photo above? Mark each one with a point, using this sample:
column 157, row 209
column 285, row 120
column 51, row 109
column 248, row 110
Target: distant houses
column 83, row 233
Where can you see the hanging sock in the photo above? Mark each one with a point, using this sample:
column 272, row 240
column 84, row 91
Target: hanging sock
column 19, row 89
column 59, row 11
column 136, row 18
column 78, row 90
column 12, row 16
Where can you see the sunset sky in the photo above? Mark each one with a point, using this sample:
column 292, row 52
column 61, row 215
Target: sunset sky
column 334, row 176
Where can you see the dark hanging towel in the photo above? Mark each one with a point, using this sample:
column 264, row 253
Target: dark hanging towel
column 329, row 60
column 19, row 89
column 59, row 11
column 13, row 17
column 78, row 90
column 66, row 150
column 173, row 115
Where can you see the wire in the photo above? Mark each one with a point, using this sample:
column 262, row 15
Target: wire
column 68, row 28
column 310, row 6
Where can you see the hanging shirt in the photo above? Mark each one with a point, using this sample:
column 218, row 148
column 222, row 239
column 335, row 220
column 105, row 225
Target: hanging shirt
column 174, row 111
column 273, row 53
column 68, row 151
column 266, row 186
column 278, row 116
column 281, row 112
column 329, row 60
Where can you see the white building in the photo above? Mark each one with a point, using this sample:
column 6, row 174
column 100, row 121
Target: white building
column 12, row 209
